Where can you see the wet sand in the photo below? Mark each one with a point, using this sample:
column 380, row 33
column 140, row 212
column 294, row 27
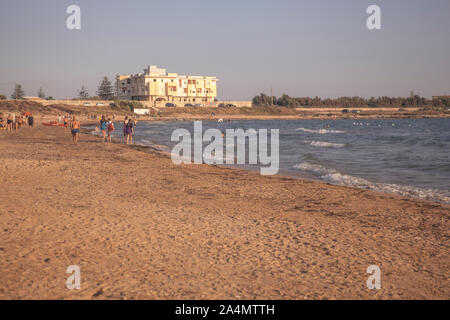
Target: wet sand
column 140, row 227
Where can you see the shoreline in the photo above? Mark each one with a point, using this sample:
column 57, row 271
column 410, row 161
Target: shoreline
column 268, row 118
column 417, row 193
column 140, row 227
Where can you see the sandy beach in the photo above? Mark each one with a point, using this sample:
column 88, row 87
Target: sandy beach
column 140, row 227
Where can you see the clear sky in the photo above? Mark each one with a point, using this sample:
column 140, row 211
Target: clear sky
column 302, row 48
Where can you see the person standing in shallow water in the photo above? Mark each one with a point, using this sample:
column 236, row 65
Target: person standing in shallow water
column 110, row 129
column 75, row 129
column 130, row 131
column 124, row 129
column 103, row 127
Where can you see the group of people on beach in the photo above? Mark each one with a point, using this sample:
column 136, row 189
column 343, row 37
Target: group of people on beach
column 13, row 122
column 107, row 128
column 92, row 116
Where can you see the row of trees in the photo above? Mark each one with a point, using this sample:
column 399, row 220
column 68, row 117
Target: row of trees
column 414, row 100
column 105, row 91
column 19, row 93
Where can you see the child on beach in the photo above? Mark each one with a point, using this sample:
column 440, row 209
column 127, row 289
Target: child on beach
column 103, row 126
column 110, row 129
column 75, row 128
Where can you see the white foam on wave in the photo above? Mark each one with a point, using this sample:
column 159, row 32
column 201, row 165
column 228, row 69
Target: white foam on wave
column 324, row 144
column 320, row 131
column 333, row 176
column 149, row 143
column 314, row 168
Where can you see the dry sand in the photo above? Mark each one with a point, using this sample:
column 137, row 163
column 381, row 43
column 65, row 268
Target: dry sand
column 140, row 227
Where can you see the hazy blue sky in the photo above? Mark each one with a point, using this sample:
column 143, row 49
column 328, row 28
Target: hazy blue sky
column 302, row 48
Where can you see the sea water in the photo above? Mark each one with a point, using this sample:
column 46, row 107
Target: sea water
column 410, row 157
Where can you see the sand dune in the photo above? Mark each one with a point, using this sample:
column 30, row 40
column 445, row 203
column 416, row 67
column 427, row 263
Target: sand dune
column 140, row 227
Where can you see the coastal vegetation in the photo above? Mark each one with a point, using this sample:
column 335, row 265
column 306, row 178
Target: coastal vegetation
column 83, row 93
column 41, row 93
column 18, row 92
column 127, row 105
column 105, row 90
column 414, row 100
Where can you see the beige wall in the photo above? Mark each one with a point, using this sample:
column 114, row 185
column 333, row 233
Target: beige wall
column 162, row 104
column 91, row 103
column 148, row 104
column 239, row 104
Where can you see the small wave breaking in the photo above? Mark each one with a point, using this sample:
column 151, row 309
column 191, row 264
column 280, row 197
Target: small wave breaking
column 319, row 131
column 324, row 144
column 333, row 176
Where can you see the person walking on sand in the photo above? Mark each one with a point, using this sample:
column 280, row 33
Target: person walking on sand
column 103, row 127
column 16, row 122
column 30, row 120
column 75, row 129
column 110, row 129
column 9, row 123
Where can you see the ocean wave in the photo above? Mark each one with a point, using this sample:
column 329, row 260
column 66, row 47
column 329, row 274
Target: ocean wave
column 320, row 131
column 333, row 176
column 314, row 168
column 324, row 144
column 160, row 147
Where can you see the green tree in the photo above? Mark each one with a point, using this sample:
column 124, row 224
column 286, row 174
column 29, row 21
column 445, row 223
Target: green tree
column 41, row 93
column 2, row 97
column 83, row 93
column 263, row 100
column 105, row 89
column 285, row 101
column 18, row 92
